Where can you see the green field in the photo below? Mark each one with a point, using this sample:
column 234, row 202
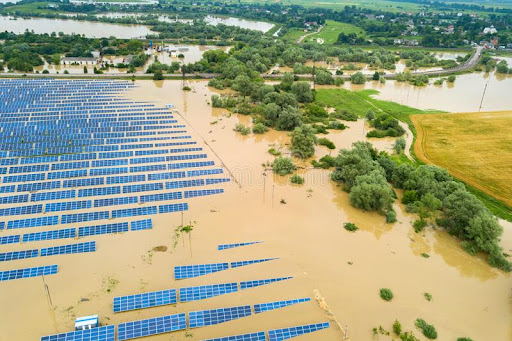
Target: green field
column 31, row 8
column 332, row 30
column 293, row 34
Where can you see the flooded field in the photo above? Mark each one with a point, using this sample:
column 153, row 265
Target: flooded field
column 87, row 28
column 301, row 225
column 243, row 23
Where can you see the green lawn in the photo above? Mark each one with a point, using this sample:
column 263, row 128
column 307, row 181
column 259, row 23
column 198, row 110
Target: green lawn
column 332, row 30
column 31, row 8
column 293, row 34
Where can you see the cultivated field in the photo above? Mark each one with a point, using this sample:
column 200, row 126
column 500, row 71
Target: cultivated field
column 474, row 147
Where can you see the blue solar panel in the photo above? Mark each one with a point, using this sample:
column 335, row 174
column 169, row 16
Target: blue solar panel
column 14, row 255
column 172, row 208
column 67, row 206
column 115, row 201
column 189, row 271
column 105, row 333
column 230, row 246
column 206, row 291
column 28, row 272
column 132, row 212
column 49, row 235
column 14, row 199
column 102, row 229
column 251, row 284
column 258, row 336
column 248, row 262
column 146, row 224
column 288, row 333
column 152, row 326
column 202, row 192
column 80, row 217
column 22, row 210
column 263, row 307
column 143, row 188
column 53, row 195
column 145, row 300
column 216, row 316
column 10, row 239
column 160, row 197
column 69, row 249
column 33, row 222
column 92, row 192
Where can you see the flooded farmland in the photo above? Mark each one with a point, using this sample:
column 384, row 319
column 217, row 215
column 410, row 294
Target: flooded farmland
column 346, row 269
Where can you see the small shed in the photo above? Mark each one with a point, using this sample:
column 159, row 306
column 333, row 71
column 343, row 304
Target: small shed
column 86, row 322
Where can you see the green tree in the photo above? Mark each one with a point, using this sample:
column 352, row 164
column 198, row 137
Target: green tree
column 243, row 85
column 399, row 145
column 376, row 76
column 289, row 118
column 358, row 78
column 283, row 166
column 286, row 81
column 302, row 90
column 85, row 69
column 158, row 75
column 303, row 141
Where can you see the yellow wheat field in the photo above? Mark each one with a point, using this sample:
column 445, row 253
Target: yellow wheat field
column 474, row 147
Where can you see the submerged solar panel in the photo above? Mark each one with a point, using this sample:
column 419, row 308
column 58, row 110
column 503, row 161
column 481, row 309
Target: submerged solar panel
column 202, row 192
column 145, row 224
column 288, row 333
column 216, row 316
column 160, row 197
column 132, row 212
column 28, row 272
column 257, row 336
column 69, row 249
column 230, row 246
column 251, row 284
column 14, row 255
column 102, row 229
column 262, row 307
column 189, row 271
column 49, row 235
column 152, row 326
column 206, row 291
column 248, row 262
column 105, row 333
column 145, row 300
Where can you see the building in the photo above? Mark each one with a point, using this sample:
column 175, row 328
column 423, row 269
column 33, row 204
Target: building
column 80, row 60
column 490, row 30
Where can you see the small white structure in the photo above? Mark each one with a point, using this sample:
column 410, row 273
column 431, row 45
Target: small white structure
column 169, row 106
column 86, row 322
column 490, row 30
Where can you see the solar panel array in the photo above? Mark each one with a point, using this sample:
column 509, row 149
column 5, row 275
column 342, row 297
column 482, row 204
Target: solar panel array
column 152, row 326
column 251, row 284
column 215, row 316
column 69, row 249
column 206, row 291
column 262, row 307
column 230, row 246
column 258, row 336
column 145, row 300
column 106, row 333
column 288, row 333
column 28, row 272
column 189, row 271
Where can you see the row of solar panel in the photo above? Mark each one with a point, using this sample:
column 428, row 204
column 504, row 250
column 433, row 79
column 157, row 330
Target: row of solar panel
column 49, row 251
column 189, row 271
column 188, row 294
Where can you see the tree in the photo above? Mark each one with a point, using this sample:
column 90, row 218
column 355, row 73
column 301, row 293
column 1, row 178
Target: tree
column 451, row 79
column 283, row 166
column 303, row 141
column 370, row 115
column 399, row 145
column 358, row 78
column 289, row 118
column 158, row 75
column 371, row 192
column 243, row 85
column 85, row 69
column 271, row 112
column 286, row 81
column 376, row 76
column 302, row 90
column 323, row 77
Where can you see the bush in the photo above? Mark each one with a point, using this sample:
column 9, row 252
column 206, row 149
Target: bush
column 240, row 128
column 350, row 227
column 399, row 145
column 259, row 128
column 397, row 327
column 427, row 329
column 283, row 166
column 297, row 179
column 358, row 78
column 274, row 152
column 391, row 217
column 345, row 115
column 464, row 339
column 158, row 75
column 336, row 125
column 303, row 141
column 427, row 296
column 45, row 71
column 326, row 142
column 419, row 225
column 451, row 79
column 325, row 162
column 386, row 294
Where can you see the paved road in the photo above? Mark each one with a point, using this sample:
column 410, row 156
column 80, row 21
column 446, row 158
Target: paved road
column 470, row 63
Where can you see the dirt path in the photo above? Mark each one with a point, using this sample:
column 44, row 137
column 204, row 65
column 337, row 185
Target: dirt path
column 301, row 38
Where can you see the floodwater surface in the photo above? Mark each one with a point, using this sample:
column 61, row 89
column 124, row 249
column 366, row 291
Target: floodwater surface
column 243, row 23
column 301, row 225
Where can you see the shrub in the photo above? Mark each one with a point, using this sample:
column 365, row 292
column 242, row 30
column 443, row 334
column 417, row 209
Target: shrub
column 274, row 151
column 425, row 255
column 326, row 142
column 419, row 225
column 391, row 217
column 427, row 296
column 66, row 72
column 45, row 71
column 339, row 81
column 259, row 128
column 303, row 141
column 336, row 125
column 358, row 78
column 464, row 339
column 345, row 115
column 399, row 145
column 158, row 75
column 283, row 166
column 386, row 294
column 451, row 79
column 397, row 327
column 427, row 329
column 186, row 88
column 297, row 179
column 350, row 227
column 325, row 162
column 240, row 128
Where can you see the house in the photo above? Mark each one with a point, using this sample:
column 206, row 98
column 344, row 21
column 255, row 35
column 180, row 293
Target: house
column 398, row 41
column 490, row 30
column 80, row 60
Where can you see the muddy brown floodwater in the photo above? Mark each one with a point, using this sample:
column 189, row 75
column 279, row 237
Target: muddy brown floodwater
column 347, row 269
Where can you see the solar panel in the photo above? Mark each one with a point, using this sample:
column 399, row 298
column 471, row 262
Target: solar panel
column 263, row 307
column 258, row 336
column 49, row 235
column 215, row 316
column 80, row 217
column 202, row 192
column 69, row 249
column 172, row 208
column 152, row 326
column 189, row 271
column 102, row 229
column 28, row 272
column 230, row 246
column 14, row 255
column 145, row 300
column 146, row 224
column 115, row 201
column 251, row 284
column 160, row 197
column 67, row 206
column 53, row 195
column 248, row 262
column 288, row 333
column 105, row 333
column 33, row 222
column 131, row 212
column 206, row 291
column 10, row 239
